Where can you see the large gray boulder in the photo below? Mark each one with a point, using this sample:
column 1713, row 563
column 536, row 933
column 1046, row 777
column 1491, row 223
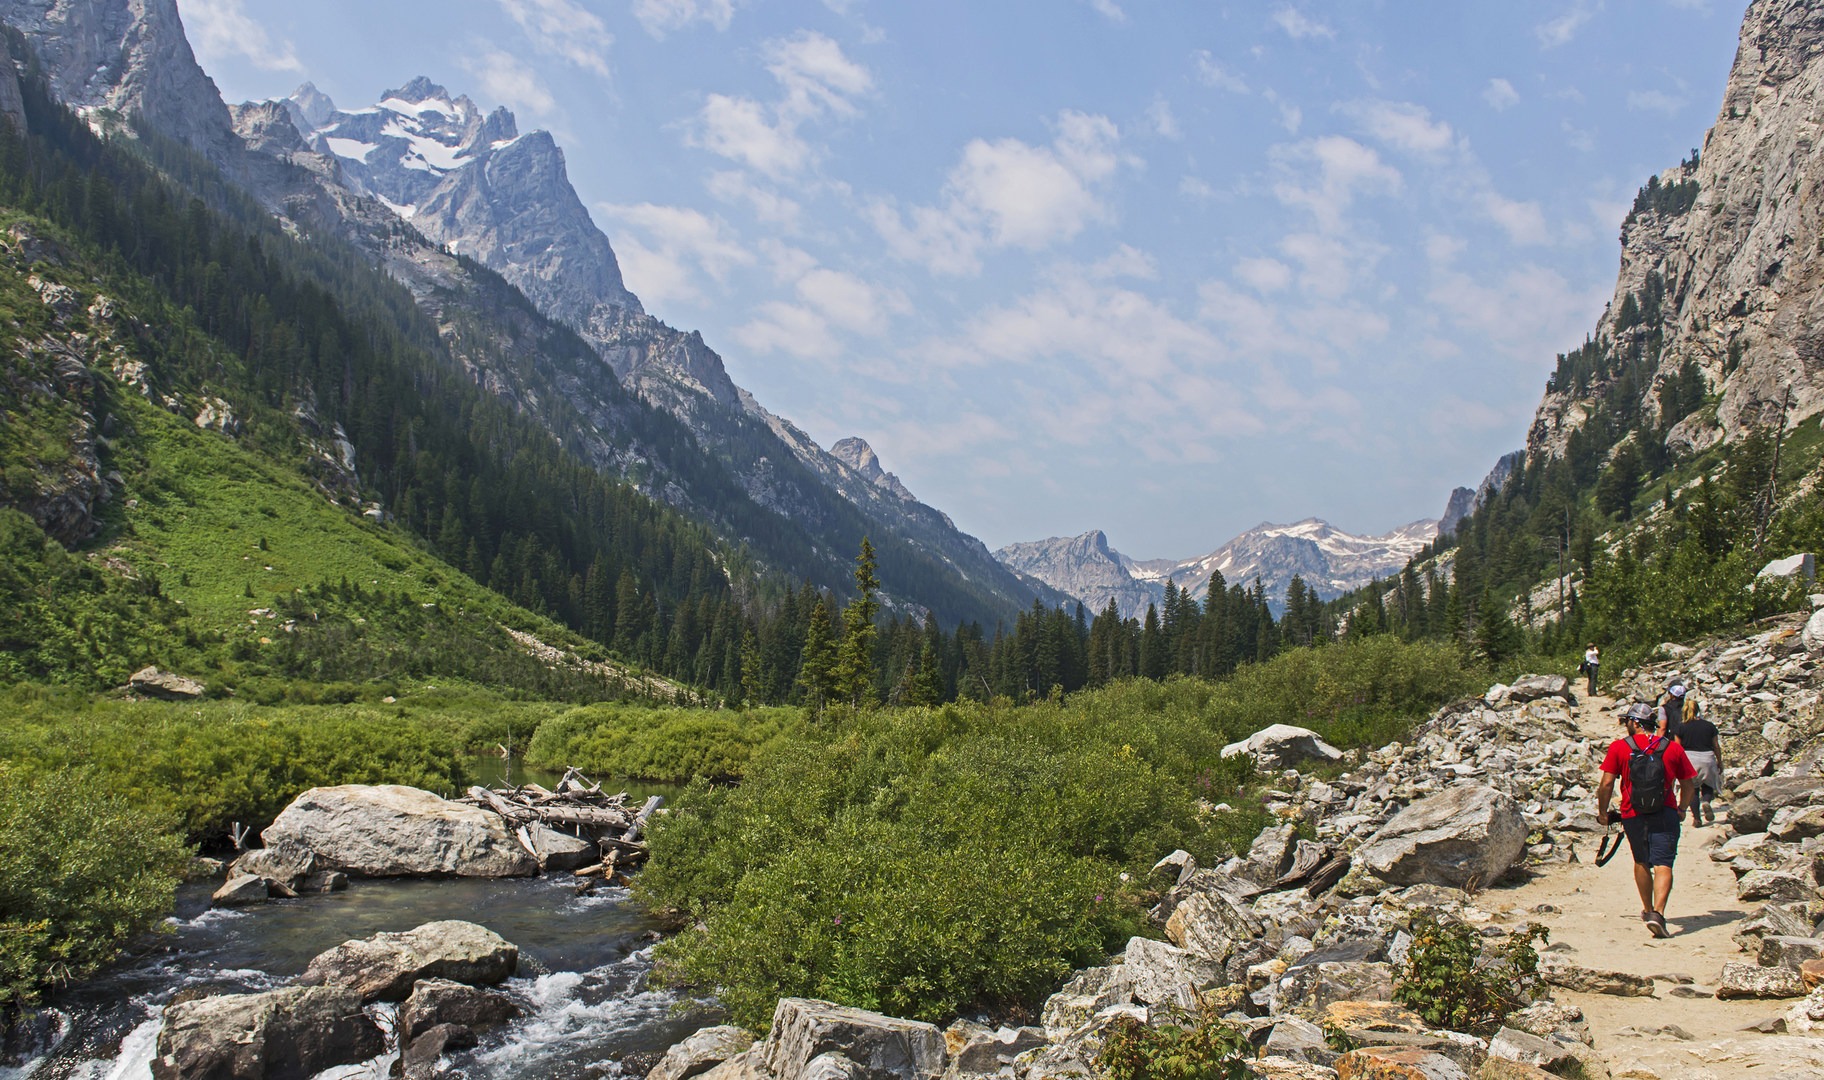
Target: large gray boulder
column 1759, row 799
column 444, row 1001
column 884, row 1047
column 1538, row 687
column 1812, row 637
column 701, row 1052
column 1282, row 746
column 284, row 1034
column 1468, row 834
column 1213, row 925
column 395, row 831
column 384, row 967
column 164, row 685
column 286, row 862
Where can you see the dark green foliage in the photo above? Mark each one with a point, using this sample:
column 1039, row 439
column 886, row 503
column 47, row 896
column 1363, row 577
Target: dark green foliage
column 81, row 873
column 1450, row 981
column 1188, row 1048
column 674, row 745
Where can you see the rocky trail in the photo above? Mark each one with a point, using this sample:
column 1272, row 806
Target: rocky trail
column 1593, row 914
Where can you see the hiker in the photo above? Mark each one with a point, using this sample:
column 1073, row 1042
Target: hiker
column 1657, row 785
column 1592, row 657
column 1703, row 745
column 1671, row 709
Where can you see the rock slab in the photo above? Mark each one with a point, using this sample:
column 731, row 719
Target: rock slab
column 394, row 831
column 286, row 1034
column 884, row 1047
column 384, row 967
column 1282, row 746
column 1468, row 834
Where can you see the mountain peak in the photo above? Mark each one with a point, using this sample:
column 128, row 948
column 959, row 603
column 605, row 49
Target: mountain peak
column 855, row 452
column 311, row 106
column 420, row 89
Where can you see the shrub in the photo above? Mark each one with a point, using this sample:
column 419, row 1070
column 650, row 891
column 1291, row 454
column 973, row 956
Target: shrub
column 1202, row 1048
column 80, row 873
column 1449, row 980
column 673, row 745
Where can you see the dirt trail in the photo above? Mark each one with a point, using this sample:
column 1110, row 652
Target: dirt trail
column 1597, row 924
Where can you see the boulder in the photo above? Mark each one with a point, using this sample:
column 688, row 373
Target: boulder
column 558, row 852
column 1813, row 634
column 286, row 862
column 1502, row 1069
column 1795, row 823
column 1467, row 835
column 1350, row 1017
column 1777, row 885
column 1806, row 1016
column 1315, row 986
column 1811, row 974
column 1523, row 1046
column 1538, row 687
column 700, row 1053
column 1273, row 1067
column 241, row 890
column 976, row 1051
column 164, row 685
column 395, row 831
column 884, row 1047
column 1155, row 973
column 1740, row 980
column 1559, row 972
column 419, row 1061
column 1270, row 856
column 1784, row 950
column 323, row 881
column 1801, row 567
column 1549, row 1019
column 384, row 967
column 1395, row 1063
column 1299, row 1039
column 1772, row 920
column 287, row 1034
column 444, row 1001
column 1282, row 746
column 1213, row 925
column 1757, row 800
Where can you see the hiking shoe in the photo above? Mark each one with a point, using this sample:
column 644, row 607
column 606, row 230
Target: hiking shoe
column 1709, row 814
column 1656, row 925
column 1646, row 916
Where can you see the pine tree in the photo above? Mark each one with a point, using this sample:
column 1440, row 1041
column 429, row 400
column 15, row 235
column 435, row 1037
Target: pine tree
column 854, row 672
column 817, row 662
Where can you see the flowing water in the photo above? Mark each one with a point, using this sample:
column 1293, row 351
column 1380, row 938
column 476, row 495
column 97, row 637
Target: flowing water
column 582, row 981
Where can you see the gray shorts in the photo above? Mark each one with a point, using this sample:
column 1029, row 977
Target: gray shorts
column 1653, row 838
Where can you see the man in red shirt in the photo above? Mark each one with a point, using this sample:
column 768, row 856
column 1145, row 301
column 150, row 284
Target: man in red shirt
column 1652, row 837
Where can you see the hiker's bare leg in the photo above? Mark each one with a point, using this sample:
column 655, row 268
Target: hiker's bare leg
column 1662, row 887
column 1643, row 880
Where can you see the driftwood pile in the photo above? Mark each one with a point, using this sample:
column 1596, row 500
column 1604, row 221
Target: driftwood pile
column 579, row 809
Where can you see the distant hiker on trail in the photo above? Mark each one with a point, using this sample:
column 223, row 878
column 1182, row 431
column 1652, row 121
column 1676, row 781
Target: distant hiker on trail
column 1704, row 747
column 1658, row 783
column 1671, row 709
column 1592, row 657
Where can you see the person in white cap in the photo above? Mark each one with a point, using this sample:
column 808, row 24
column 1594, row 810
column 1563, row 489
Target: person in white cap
column 1671, row 710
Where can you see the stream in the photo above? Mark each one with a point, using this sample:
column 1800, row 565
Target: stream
column 582, row 981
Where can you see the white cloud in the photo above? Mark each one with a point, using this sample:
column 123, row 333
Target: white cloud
column 1442, row 249
column 660, row 17
column 816, row 80
column 1556, row 313
column 507, row 79
column 1655, row 101
column 668, row 246
column 1196, row 188
column 1290, row 115
column 1500, row 94
column 1009, row 193
column 1211, row 73
column 1344, row 168
column 1402, row 125
column 1578, row 138
column 849, row 302
column 1109, row 10
column 223, row 28
column 1126, row 261
column 1165, row 125
column 564, row 29
column 1263, row 274
column 1559, row 31
column 1524, row 222
column 734, row 186
column 789, row 328
column 827, row 301
column 1299, row 26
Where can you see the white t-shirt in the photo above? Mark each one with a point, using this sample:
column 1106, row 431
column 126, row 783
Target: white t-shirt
column 1591, row 657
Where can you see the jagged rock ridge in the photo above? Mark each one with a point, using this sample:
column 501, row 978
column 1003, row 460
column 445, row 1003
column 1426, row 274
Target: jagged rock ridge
column 1329, row 560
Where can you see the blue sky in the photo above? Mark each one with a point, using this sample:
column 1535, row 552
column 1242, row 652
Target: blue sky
column 1161, row 267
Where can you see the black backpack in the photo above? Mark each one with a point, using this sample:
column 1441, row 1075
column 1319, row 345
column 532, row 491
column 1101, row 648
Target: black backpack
column 1647, row 776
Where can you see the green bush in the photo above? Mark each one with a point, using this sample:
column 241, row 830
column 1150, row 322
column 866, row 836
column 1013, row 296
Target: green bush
column 673, row 745
column 1453, row 984
column 81, row 872
column 1201, row 1048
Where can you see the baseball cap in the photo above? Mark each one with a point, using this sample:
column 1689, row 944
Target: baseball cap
column 1638, row 712
column 1676, row 689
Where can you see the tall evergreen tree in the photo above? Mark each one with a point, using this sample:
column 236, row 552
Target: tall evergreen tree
column 854, row 674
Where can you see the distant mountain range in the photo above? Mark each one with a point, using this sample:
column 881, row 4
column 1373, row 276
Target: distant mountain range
column 1330, row 561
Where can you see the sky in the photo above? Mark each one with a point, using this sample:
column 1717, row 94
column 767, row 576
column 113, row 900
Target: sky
column 1166, row 268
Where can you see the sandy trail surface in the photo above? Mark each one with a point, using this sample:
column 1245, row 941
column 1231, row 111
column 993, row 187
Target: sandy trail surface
column 1596, row 923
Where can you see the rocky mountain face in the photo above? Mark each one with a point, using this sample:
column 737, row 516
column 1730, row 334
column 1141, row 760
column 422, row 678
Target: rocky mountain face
column 1735, row 240
column 481, row 224
column 1329, row 560
column 1466, row 501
